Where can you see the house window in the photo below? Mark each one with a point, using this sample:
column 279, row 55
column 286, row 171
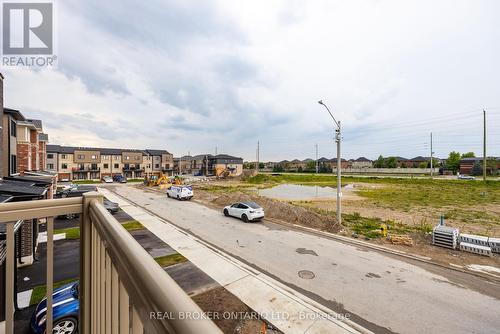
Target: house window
column 81, row 156
column 157, row 165
column 117, row 157
column 63, row 156
column 127, row 157
column 105, row 157
column 50, row 166
column 64, row 166
column 137, row 158
column 106, row 166
column 13, row 164
column 94, row 157
column 94, row 166
column 117, row 166
column 50, row 156
column 13, row 129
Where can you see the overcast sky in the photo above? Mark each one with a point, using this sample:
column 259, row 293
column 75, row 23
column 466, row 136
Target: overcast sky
column 188, row 76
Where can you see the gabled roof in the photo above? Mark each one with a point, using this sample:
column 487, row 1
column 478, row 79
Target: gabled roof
column 295, row 161
column 111, row 151
column 307, row 160
column 17, row 188
column 202, row 156
column 362, row 159
column 16, row 114
column 323, row 159
column 398, row 158
column 105, row 151
column 156, row 152
column 225, row 156
column 37, row 123
column 420, row 158
column 284, row 162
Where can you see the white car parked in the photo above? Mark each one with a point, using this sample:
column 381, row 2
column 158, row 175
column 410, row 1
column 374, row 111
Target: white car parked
column 180, row 192
column 246, row 211
column 107, row 179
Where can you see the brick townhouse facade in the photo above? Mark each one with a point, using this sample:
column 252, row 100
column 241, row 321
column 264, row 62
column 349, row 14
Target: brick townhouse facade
column 89, row 163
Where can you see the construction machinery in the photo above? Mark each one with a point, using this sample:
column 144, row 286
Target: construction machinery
column 222, row 172
column 155, row 180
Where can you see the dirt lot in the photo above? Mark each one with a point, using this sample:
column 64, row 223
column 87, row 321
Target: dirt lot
column 230, row 314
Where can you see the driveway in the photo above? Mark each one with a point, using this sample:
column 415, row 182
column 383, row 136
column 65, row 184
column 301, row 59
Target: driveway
column 380, row 292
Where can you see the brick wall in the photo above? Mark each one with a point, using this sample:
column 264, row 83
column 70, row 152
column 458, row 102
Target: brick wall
column 34, row 149
column 26, row 231
column 23, row 154
column 42, row 146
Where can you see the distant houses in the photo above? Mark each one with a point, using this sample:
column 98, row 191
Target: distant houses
column 474, row 166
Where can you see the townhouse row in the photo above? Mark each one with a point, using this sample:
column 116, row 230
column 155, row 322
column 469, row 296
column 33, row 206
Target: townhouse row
column 23, row 144
column 88, row 163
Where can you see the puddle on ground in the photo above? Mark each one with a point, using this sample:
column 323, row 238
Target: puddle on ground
column 306, row 274
column 296, row 192
column 306, row 251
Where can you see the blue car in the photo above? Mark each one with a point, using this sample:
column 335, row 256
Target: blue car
column 65, row 311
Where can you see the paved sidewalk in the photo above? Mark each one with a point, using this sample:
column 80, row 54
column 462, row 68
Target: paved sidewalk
column 286, row 309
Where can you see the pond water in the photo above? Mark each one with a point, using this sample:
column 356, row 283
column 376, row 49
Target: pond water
column 296, row 192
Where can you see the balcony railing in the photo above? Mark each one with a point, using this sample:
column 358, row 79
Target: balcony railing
column 85, row 169
column 133, row 169
column 120, row 283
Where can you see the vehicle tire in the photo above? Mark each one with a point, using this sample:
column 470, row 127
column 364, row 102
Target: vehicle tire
column 70, row 216
column 244, row 218
column 64, row 195
column 168, row 195
column 65, row 325
column 226, row 213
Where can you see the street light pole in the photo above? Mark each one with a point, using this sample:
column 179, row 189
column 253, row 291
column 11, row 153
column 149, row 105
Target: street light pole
column 338, row 138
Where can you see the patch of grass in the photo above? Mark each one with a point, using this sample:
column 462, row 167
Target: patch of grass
column 168, row 260
column 370, row 227
column 135, row 180
column 86, row 181
column 401, row 193
column 39, row 292
column 133, row 225
column 71, row 233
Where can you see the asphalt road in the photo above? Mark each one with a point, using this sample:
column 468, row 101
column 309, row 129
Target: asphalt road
column 381, row 292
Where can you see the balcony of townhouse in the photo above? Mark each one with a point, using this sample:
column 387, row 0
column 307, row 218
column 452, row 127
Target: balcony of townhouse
column 121, row 288
column 85, row 169
column 133, row 168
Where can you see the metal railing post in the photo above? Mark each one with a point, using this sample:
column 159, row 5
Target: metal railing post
column 50, row 273
column 9, row 285
column 85, row 262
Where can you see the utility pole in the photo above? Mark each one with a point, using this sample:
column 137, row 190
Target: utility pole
column 257, row 157
column 215, row 150
column 484, row 145
column 432, row 171
column 317, row 166
column 338, row 138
